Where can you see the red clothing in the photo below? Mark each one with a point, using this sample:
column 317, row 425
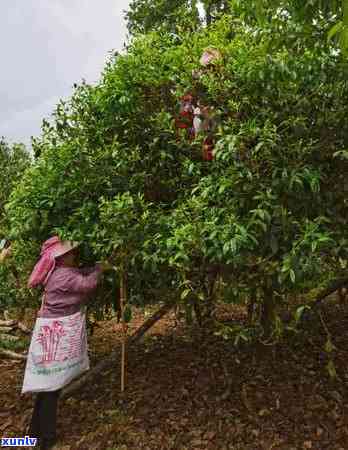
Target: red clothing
column 208, row 149
column 67, row 289
column 185, row 117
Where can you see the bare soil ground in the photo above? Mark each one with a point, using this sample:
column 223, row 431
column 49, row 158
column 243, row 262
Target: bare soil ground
column 189, row 391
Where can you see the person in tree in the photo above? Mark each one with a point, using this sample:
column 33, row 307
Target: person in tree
column 58, row 349
column 204, row 123
column 210, row 56
column 184, row 120
column 195, row 117
column 209, row 63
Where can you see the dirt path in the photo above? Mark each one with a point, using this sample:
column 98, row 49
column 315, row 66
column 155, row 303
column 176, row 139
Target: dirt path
column 187, row 391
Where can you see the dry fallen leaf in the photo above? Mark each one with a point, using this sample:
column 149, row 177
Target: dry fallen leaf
column 5, row 425
column 320, row 431
column 264, row 412
column 209, row 435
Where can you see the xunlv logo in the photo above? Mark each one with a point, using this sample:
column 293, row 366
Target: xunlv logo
column 18, row 442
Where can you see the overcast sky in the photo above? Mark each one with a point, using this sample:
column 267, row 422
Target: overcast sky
column 45, row 47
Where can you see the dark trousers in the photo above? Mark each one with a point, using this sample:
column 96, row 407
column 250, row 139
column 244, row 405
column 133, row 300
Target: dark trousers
column 44, row 419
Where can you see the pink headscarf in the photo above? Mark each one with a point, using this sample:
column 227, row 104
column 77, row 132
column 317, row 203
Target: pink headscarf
column 50, row 250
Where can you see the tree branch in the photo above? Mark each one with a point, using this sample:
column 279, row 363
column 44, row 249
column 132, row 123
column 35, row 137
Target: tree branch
column 105, row 363
column 12, row 355
column 334, row 286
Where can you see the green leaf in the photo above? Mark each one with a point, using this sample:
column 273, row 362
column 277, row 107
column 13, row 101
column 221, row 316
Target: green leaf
column 261, row 213
column 185, row 293
column 233, row 245
column 262, row 225
column 274, row 244
column 330, row 367
column 341, row 153
column 127, row 314
column 300, row 311
column 334, row 30
column 344, row 40
column 226, row 248
column 222, row 188
column 329, row 347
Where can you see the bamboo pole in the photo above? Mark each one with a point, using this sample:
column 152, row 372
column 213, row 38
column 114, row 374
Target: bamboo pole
column 123, row 302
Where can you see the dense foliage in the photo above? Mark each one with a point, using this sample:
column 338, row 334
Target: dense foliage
column 266, row 219
column 14, row 159
column 144, row 16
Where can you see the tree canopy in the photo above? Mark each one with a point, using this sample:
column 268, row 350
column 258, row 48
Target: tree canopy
column 14, row 160
column 265, row 217
column 147, row 15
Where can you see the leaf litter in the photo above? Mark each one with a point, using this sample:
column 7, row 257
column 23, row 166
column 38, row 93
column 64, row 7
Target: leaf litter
column 192, row 391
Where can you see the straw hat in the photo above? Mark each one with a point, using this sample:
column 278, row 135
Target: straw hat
column 64, row 247
column 51, row 249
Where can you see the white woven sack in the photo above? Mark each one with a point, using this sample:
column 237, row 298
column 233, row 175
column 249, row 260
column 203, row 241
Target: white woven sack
column 58, row 353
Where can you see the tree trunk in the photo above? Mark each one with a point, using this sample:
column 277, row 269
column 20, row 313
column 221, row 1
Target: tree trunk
column 105, row 363
column 342, row 295
column 195, row 10
column 225, row 6
column 268, row 312
column 198, row 311
column 208, row 14
column 208, row 9
column 251, row 306
column 209, row 301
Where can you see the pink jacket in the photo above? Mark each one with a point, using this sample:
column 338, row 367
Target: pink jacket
column 67, row 289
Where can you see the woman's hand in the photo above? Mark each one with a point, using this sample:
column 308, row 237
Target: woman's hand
column 5, row 253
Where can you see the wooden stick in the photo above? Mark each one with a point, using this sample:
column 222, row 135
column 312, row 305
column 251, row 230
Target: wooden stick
column 23, row 328
column 6, row 329
column 8, row 323
column 7, row 315
column 123, row 352
column 123, row 365
column 12, row 355
column 8, row 337
column 123, row 302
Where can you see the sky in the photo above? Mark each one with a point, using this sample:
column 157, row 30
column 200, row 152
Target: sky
column 46, row 46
